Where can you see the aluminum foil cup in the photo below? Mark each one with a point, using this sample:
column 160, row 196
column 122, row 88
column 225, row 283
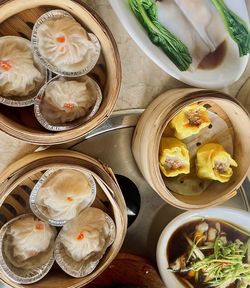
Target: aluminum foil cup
column 24, row 275
column 54, row 15
column 69, row 125
column 86, row 266
column 42, row 212
column 22, row 101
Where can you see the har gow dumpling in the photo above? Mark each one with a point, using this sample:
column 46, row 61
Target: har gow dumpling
column 64, row 44
column 68, row 100
column 19, row 74
column 83, row 241
column 63, row 194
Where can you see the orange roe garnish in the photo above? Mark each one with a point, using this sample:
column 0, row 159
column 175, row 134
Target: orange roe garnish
column 80, row 236
column 39, row 226
column 69, row 199
column 69, row 106
column 60, row 39
column 5, row 65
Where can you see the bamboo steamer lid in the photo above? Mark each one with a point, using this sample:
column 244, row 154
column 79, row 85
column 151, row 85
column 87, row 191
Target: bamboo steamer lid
column 17, row 182
column 17, row 17
column 152, row 124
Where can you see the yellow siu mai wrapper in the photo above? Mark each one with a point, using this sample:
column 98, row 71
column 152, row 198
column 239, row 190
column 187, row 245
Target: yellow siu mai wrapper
column 213, row 162
column 191, row 120
column 174, row 157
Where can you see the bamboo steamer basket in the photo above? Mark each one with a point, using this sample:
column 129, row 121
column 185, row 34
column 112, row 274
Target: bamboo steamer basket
column 17, row 17
column 152, row 124
column 17, row 182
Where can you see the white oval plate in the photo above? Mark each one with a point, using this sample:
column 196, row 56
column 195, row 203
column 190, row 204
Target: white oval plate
column 229, row 71
column 235, row 216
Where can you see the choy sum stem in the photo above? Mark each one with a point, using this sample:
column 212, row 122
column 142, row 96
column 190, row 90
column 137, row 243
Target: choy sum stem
column 146, row 13
column 236, row 27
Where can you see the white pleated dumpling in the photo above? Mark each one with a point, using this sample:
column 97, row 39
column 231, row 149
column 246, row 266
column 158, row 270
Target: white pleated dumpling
column 19, row 75
column 67, row 100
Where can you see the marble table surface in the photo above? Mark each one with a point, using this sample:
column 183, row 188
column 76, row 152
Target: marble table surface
column 142, row 80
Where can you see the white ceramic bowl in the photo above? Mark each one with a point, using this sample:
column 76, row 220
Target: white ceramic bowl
column 235, row 216
column 229, row 71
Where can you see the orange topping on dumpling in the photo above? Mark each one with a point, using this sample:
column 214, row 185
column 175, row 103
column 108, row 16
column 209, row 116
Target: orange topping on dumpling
column 69, row 106
column 60, row 39
column 70, row 199
column 39, row 226
column 5, row 65
column 80, row 236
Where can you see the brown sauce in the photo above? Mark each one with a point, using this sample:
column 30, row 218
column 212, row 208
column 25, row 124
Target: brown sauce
column 214, row 59
column 178, row 245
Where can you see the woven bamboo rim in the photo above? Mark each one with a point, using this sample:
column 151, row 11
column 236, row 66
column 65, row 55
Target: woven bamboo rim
column 23, row 170
column 22, row 14
column 149, row 131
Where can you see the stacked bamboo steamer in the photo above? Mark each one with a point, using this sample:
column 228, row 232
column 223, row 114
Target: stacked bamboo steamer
column 153, row 123
column 18, row 181
column 17, row 18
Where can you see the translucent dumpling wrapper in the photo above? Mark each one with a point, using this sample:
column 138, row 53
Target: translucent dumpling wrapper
column 63, row 44
column 19, row 75
column 174, row 157
column 205, row 20
column 61, row 195
column 168, row 12
column 67, row 100
column 213, row 162
column 82, row 242
column 27, row 248
column 191, row 120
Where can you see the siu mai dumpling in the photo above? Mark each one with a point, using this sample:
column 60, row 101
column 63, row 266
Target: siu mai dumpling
column 63, row 194
column 29, row 242
column 213, row 162
column 19, row 74
column 205, row 20
column 64, row 44
column 191, row 120
column 82, row 242
column 67, row 100
column 174, row 157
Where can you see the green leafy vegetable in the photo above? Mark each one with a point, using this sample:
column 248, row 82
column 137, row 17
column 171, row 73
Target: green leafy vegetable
column 236, row 27
column 146, row 13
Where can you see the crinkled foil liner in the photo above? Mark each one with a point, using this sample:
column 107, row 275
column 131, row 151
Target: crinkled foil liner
column 23, row 101
column 36, row 274
column 40, row 214
column 57, row 14
column 67, row 126
column 85, row 269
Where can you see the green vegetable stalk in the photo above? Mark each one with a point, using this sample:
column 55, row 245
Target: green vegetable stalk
column 146, row 13
column 236, row 27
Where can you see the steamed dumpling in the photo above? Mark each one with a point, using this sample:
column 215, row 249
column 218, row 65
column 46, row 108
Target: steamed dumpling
column 64, row 194
column 18, row 73
column 64, row 43
column 29, row 237
column 86, row 235
column 66, row 101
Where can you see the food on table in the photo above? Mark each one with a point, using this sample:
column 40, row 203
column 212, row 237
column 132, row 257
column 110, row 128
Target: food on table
column 237, row 27
column 174, row 157
column 64, row 194
column 207, row 23
column 68, row 100
column 213, row 162
column 19, row 75
column 191, row 120
column 65, row 44
column 28, row 240
column 146, row 12
column 210, row 253
column 83, row 241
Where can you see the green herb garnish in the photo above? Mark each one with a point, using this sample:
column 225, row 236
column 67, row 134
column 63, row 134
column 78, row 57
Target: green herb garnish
column 146, row 13
column 236, row 27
